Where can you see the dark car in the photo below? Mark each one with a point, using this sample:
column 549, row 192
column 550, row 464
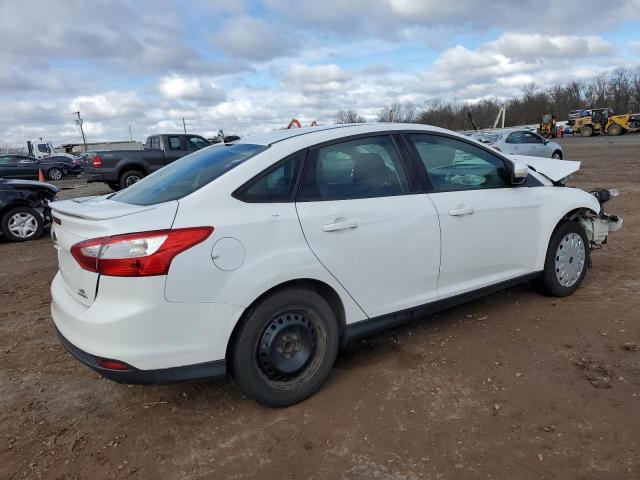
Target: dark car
column 27, row 168
column 24, row 208
column 122, row 168
column 73, row 165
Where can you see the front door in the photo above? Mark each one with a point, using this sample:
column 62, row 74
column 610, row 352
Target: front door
column 379, row 239
column 490, row 229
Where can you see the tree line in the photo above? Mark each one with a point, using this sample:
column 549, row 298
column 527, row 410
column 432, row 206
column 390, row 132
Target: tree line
column 619, row 90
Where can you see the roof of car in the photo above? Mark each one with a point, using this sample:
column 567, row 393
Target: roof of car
column 328, row 132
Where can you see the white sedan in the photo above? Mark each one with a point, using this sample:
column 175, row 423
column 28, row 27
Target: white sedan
column 521, row 142
column 259, row 258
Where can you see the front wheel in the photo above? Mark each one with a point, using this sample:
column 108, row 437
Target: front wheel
column 586, row 131
column 557, row 155
column 566, row 262
column 285, row 347
column 615, row 129
column 21, row 224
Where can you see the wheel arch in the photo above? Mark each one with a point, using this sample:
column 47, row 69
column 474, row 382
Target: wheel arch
column 322, row 288
column 131, row 166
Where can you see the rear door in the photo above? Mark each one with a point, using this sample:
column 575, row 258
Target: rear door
column 375, row 234
column 534, row 145
column 490, row 229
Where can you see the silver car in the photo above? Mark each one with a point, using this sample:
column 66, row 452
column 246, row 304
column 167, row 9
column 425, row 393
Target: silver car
column 520, row 142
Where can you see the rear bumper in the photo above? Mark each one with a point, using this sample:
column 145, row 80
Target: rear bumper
column 131, row 321
column 214, row 369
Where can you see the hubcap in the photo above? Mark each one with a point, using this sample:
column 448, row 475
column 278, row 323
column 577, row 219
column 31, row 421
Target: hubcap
column 570, row 260
column 131, row 180
column 55, row 174
column 287, row 346
column 23, row 225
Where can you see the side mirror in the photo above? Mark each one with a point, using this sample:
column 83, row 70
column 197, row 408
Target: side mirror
column 518, row 173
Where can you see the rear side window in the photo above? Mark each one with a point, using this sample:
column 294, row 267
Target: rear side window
column 185, row 176
column 367, row 167
column 174, row 143
column 155, row 143
column 275, row 184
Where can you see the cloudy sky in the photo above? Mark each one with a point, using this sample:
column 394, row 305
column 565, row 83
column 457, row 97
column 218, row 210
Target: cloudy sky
column 247, row 66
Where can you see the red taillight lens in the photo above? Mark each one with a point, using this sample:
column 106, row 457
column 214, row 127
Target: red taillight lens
column 137, row 254
column 111, row 364
column 97, row 162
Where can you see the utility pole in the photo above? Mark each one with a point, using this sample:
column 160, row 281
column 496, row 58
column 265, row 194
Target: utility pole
column 79, row 123
column 184, row 126
column 130, row 134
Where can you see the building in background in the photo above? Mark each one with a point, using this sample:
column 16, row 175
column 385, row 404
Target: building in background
column 78, row 148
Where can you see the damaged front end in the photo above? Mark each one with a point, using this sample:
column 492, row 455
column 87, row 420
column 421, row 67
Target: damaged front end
column 598, row 227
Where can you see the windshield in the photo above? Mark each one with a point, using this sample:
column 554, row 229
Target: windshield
column 188, row 174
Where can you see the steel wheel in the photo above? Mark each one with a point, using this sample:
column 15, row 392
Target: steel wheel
column 570, row 260
column 557, row 155
column 23, row 225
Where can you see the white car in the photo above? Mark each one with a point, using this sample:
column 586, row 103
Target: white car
column 259, row 258
column 521, row 142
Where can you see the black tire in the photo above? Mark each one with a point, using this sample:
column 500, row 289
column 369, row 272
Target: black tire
column 557, row 155
column 549, row 283
column 130, row 177
column 34, row 218
column 115, row 186
column 55, row 174
column 615, row 130
column 586, row 131
column 268, row 364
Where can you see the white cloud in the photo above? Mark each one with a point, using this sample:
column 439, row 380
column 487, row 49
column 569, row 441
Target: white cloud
column 176, row 87
column 251, row 38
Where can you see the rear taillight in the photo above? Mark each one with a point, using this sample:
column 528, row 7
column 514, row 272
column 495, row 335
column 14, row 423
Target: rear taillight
column 137, row 254
column 97, row 161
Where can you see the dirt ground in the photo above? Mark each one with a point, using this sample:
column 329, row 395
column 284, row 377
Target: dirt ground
column 513, row 386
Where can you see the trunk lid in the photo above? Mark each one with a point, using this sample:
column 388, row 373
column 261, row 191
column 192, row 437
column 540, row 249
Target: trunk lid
column 91, row 217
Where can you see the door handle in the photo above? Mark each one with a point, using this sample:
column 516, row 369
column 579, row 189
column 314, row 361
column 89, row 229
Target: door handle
column 461, row 210
column 332, row 227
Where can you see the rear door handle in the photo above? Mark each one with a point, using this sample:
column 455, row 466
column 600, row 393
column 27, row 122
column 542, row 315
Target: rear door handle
column 332, row 227
column 461, row 210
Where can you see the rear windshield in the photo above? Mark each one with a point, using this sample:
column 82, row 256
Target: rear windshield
column 188, row 174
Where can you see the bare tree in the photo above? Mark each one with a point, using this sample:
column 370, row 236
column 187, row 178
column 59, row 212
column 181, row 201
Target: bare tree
column 348, row 116
column 398, row 112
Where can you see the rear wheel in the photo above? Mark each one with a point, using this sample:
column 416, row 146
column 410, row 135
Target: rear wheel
column 21, row 224
column 130, row 177
column 566, row 261
column 615, row 129
column 54, row 174
column 285, row 348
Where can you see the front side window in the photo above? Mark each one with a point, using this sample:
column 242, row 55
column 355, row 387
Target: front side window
column 174, row 143
column 196, row 143
column 367, row 167
column 188, row 174
column 530, row 137
column 456, row 165
column 276, row 185
column 5, row 160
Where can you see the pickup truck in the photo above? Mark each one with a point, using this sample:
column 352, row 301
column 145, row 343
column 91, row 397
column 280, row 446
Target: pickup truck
column 122, row 168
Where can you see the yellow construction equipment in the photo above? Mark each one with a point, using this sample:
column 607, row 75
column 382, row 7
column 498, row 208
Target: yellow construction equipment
column 547, row 127
column 617, row 124
column 602, row 120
